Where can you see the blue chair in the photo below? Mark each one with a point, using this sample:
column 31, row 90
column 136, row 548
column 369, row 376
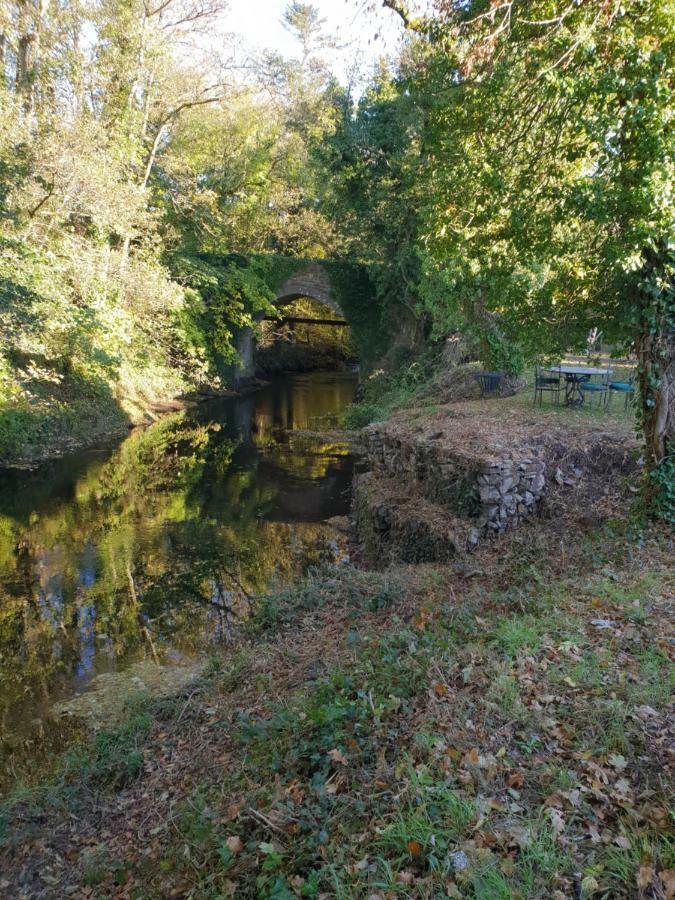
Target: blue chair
column 546, row 380
column 599, row 389
column 627, row 388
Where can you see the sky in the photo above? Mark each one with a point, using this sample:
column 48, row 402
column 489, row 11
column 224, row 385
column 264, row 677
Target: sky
column 367, row 35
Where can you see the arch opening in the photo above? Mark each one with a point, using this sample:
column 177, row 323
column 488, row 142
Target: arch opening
column 308, row 334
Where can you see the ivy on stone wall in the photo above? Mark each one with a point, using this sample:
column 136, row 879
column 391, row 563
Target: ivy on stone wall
column 355, row 291
column 226, row 293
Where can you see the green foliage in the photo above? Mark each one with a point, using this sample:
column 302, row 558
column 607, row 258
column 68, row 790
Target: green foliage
column 548, row 160
column 117, row 756
column 358, row 415
column 374, row 191
column 382, row 392
column 111, row 760
column 504, row 355
column 225, row 294
column 118, row 153
column 356, row 289
column 515, row 635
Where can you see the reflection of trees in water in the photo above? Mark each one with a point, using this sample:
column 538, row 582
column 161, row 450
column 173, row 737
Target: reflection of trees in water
column 312, row 405
column 163, row 542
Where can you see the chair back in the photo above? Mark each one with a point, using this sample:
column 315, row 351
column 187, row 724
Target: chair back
column 490, row 382
column 545, row 376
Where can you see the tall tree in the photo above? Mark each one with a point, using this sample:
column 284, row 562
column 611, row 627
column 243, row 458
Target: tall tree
column 552, row 155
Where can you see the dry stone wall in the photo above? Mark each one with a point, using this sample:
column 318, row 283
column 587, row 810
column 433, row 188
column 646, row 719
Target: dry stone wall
column 494, row 490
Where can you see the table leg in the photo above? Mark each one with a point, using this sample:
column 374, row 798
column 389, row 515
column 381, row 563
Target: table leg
column 574, row 396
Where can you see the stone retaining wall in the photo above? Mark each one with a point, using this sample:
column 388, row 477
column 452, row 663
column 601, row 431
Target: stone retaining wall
column 494, row 490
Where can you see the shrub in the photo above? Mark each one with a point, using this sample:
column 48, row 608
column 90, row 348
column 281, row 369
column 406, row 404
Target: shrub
column 358, row 415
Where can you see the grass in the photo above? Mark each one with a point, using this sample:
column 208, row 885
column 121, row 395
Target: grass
column 113, row 759
column 384, row 393
column 456, row 746
column 515, row 635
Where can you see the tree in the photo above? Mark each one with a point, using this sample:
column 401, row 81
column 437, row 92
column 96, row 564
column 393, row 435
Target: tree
column 305, row 23
column 551, row 156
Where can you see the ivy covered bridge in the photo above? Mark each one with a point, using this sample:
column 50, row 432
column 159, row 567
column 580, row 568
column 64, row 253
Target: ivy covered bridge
column 314, row 280
column 343, row 288
column 235, row 293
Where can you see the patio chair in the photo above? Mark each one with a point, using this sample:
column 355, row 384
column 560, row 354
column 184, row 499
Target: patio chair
column 546, row 380
column 627, row 388
column 599, row 389
column 490, row 383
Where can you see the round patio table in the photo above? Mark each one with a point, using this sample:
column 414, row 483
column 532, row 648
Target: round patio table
column 574, row 378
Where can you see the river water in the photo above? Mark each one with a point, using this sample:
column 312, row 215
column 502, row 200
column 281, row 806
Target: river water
column 149, row 552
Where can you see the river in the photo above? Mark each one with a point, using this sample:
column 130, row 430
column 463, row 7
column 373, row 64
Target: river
column 148, row 553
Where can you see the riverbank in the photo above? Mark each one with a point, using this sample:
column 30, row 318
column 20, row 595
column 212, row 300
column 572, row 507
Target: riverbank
column 49, row 415
column 492, row 726
column 50, row 423
column 414, row 732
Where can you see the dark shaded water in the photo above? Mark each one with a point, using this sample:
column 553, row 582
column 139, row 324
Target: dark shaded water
column 151, row 550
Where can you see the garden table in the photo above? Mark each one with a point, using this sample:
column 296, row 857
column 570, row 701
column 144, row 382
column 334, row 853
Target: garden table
column 574, row 377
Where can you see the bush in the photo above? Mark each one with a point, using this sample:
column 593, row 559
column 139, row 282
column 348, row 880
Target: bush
column 504, row 354
column 382, row 392
column 358, row 415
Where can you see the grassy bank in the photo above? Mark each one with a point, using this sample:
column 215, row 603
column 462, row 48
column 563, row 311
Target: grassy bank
column 412, row 733
column 84, row 351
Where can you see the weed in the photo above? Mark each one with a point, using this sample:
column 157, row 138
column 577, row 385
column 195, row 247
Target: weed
column 433, row 818
column 617, row 868
column 232, row 672
column 514, row 635
column 656, row 680
column 504, row 692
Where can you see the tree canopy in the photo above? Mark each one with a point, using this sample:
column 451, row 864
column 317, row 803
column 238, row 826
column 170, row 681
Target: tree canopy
column 509, row 175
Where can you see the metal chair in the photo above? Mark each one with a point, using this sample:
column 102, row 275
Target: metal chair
column 490, row 383
column 549, row 383
column 599, row 389
column 627, row 388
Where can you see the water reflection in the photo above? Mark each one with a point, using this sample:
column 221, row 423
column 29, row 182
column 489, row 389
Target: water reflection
column 154, row 549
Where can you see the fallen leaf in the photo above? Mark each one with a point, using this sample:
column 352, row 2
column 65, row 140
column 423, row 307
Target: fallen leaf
column 645, row 876
column 668, row 879
column 234, row 844
column 233, row 810
column 557, row 821
column 414, row 848
column 472, row 757
column 595, row 834
column 338, row 757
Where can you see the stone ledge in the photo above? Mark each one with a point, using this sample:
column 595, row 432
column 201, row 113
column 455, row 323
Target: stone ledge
column 394, row 522
column 494, row 487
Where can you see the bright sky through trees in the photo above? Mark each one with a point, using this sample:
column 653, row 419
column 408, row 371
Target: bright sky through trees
column 363, row 38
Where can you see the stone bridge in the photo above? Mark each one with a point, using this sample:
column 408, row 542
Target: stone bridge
column 313, row 282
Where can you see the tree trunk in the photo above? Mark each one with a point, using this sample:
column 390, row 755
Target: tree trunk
column 655, row 349
column 25, row 71
column 656, row 367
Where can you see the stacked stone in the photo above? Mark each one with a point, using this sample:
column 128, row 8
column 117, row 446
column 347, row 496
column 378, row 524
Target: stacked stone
column 492, row 492
column 509, row 490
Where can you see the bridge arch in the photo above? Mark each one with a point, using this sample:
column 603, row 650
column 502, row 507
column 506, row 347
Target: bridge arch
column 311, row 281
